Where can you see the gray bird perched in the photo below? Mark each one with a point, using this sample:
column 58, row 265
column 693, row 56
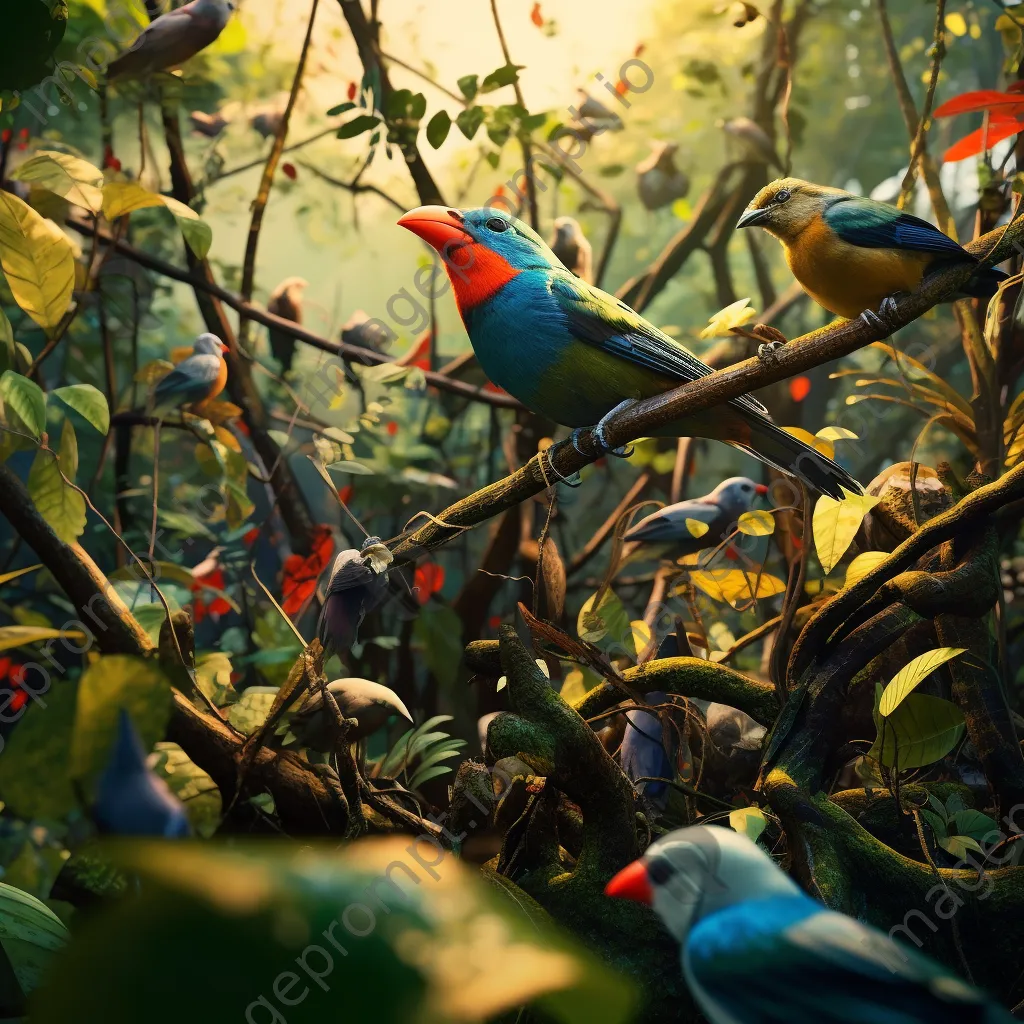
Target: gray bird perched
column 172, row 39
column 666, row 533
column 194, row 381
column 286, row 302
column 130, row 799
column 367, row 332
column 370, row 704
column 266, row 119
column 358, row 583
column 570, row 245
column 210, row 125
column 591, row 117
column 658, row 181
column 753, row 142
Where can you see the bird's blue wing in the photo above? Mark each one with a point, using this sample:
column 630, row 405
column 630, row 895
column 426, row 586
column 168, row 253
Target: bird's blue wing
column 669, row 523
column 787, row 960
column 600, row 319
column 874, row 225
column 189, row 381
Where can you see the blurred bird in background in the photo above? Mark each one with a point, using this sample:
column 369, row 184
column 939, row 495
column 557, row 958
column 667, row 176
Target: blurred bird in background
column 172, row 39
column 194, row 382
column 370, row 704
column 570, row 245
column 670, row 532
column 576, row 354
column 286, row 302
column 361, row 329
column 210, row 125
column 755, row 949
column 852, row 255
column 750, row 141
column 357, row 584
column 590, row 117
column 658, row 181
column 131, row 800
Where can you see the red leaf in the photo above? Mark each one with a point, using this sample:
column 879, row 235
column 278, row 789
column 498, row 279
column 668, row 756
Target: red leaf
column 346, row 492
column 392, row 428
column 420, row 354
column 799, row 388
column 732, row 554
column 288, row 170
column 352, row 90
column 5, row 667
column 5, row 135
column 24, row 133
column 109, row 160
column 978, row 99
column 536, row 17
column 978, row 141
column 428, row 580
column 494, row 621
column 249, row 538
column 301, row 574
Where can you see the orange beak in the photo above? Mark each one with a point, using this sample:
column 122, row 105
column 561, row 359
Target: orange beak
column 631, row 883
column 437, row 226
column 761, row 489
column 224, row 348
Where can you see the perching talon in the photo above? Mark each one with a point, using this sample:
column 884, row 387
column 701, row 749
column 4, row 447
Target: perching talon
column 623, row 452
column 766, row 352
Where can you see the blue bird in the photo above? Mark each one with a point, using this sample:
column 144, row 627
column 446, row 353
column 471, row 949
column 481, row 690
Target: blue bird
column 130, row 799
column 756, row 950
column 194, row 381
column 644, row 753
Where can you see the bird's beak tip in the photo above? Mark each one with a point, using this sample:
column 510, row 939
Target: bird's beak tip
column 631, row 883
column 436, row 225
column 752, row 216
column 761, row 489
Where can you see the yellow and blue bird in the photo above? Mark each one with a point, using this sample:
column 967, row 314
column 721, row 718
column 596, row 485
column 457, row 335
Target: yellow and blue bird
column 575, row 354
column 853, row 255
column 196, row 381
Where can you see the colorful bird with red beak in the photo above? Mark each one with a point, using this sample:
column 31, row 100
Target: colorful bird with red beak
column 756, row 950
column 576, row 354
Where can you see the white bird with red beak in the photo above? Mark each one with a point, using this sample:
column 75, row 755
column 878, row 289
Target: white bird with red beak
column 757, row 950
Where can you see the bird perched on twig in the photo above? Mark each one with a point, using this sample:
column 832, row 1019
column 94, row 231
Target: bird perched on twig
column 679, row 529
column 658, row 181
column 367, row 332
column 358, row 583
column 210, row 125
column 196, row 381
column 752, row 141
column 571, row 246
column 130, row 799
column 736, row 914
column 172, row 39
column 286, row 302
column 576, row 354
column 590, row 117
column 853, row 255
column 370, row 704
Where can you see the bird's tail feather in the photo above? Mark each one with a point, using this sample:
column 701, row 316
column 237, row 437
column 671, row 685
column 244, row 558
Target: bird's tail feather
column 984, row 284
column 788, row 454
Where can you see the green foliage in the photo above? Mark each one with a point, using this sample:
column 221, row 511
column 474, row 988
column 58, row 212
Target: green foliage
column 33, row 29
column 959, row 829
column 89, row 402
column 920, row 731
column 418, row 754
column 30, row 933
column 58, row 503
column 26, row 400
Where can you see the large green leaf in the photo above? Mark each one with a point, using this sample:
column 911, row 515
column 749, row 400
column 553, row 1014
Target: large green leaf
column 27, row 400
column 68, row 451
column 191, row 785
column 912, row 674
column 921, row 731
column 60, row 505
column 30, row 933
column 608, row 626
column 67, row 176
column 87, row 401
column 114, row 682
column 448, row 946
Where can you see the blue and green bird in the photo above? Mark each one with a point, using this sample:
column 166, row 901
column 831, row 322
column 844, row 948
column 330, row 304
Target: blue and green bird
column 575, row 354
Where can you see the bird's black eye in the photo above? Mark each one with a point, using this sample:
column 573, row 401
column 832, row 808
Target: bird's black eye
column 659, row 870
column 782, row 196
column 498, row 224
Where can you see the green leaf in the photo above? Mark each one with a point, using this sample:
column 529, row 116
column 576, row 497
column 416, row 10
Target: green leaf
column 921, row 731
column 192, row 786
column 26, row 398
column 88, row 402
column 959, row 846
column 912, row 674
column 30, row 933
column 938, row 824
column 748, row 821
column 438, row 128
column 358, row 125
column 438, row 632
column 975, row 824
column 469, row 121
column 423, row 775
column 355, row 468
column 67, row 176
column 8, row 353
column 608, row 626
column 213, row 672
column 117, row 681
column 341, row 108
column 505, row 75
column 198, row 235
column 252, row 710
column 21, row 636
column 68, row 451
column 184, row 523
column 468, row 86
column 60, row 505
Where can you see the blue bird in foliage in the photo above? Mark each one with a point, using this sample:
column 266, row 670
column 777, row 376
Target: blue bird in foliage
column 576, row 354
column 756, row 949
column 644, row 753
column 130, row 799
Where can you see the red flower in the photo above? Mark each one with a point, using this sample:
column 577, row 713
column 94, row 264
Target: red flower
column 345, row 493
column 15, row 676
column 301, row 574
column 392, row 428
column 109, row 160
column 24, row 133
column 241, row 426
column 494, row 621
column 536, row 17
column 249, row 538
column 288, row 170
column 218, row 606
column 427, row 581
column 5, row 135
column 799, row 388
column 352, row 90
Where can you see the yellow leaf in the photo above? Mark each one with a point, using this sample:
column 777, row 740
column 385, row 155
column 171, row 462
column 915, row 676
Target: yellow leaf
column 230, row 41
column 757, row 523
column 914, row 672
column 836, row 434
column 818, row 443
column 721, row 636
column 122, row 197
column 641, row 635
column 67, row 176
column 37, row 259
column 695, row 526
column 748, row 821
column 20, row 636
column 956, row 23
column 835, row 524
column 735, row 586
column 865, row 562
column 736, row 314
column 681, row 208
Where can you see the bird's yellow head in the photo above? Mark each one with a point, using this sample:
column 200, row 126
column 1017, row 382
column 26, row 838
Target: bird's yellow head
column 787, row 206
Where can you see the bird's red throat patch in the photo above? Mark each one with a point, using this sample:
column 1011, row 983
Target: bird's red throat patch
column 477, row 274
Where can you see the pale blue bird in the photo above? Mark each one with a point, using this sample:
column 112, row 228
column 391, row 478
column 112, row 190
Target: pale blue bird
column 130, row 799
column 195, row 381
column 755, row 949
column 644, row 753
